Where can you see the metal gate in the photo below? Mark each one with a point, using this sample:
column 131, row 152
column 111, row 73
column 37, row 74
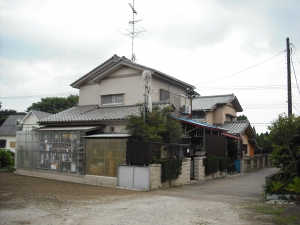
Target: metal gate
column 192, row 169
column 134, row 177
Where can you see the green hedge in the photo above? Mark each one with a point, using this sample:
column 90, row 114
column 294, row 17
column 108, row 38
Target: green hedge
column 211, row 164
column 7, row 159
column 171, row 169
column 224, row 163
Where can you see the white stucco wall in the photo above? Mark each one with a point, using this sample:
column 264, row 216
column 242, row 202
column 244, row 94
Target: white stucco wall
column 9, row 139
column 127, row 81
column 89, row 94
column 29, row 123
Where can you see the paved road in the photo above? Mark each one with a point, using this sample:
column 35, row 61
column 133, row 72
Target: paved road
column 235, row 188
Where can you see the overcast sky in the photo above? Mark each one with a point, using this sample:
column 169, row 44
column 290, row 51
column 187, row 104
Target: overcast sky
column 46, row 45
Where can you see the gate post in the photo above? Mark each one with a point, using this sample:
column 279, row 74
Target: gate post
column 199, row 168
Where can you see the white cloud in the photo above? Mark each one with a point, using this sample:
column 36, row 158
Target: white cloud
column 46, row 45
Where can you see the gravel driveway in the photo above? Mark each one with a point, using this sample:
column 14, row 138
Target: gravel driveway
column 31, row 200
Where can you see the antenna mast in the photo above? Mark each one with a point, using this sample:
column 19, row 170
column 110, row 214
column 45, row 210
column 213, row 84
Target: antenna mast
column 134, row 32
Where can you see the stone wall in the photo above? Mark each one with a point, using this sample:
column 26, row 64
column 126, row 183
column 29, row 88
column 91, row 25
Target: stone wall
column 155, row 175
column 199, row 171
column 257, row 162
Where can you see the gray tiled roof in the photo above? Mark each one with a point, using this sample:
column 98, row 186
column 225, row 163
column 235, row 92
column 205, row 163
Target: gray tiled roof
column 208, row 103
column 93, row 113
column 238, row 127
column 114, row 60
column 40, row 115
column 9, row 127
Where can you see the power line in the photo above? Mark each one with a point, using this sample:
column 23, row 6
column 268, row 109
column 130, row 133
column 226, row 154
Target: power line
column 294, row 47
column 34, row 89
column 242, row 70
column 37, row 96
column 295, row 74
column 295, row 108
column 265, row 87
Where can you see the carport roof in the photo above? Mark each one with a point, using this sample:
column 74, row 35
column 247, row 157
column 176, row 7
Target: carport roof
column 199, row 124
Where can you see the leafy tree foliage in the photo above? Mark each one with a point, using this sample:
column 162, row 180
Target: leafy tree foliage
column 263, row 142
column 6, row 113
column 158, row 127
column 285, row 138
column 54, row 104
column 242, row 117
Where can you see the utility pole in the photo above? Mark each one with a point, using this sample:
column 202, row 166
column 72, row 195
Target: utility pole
column 289, row 77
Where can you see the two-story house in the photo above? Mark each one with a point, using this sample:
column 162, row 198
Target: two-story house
column 89, row 139
column 221, row 111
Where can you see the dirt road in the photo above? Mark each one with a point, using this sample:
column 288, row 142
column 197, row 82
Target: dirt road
column 31, row 200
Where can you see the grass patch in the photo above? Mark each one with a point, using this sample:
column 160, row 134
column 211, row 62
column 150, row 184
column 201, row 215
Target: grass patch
column 269, row 210
column 273, row 213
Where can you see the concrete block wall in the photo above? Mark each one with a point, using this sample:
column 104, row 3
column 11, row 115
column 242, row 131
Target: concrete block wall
column 155, row 176
column 83, row 179
column 257, row 162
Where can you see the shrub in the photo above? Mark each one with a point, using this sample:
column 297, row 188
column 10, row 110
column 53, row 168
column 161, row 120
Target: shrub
column 224, row 163
column 171, row 169
column 295, row 186
column 7, row 159
column 211, row 164
column 276, row 186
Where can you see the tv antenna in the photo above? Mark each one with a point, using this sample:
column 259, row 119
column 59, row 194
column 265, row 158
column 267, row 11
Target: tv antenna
column 134, row 32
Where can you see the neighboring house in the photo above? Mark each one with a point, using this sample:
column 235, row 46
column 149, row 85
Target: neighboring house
column 243, row 129
column 111, row 92
column 221, row 111
column 90, row 138
column 16, row 123
column 30, row 120
column 8, row 132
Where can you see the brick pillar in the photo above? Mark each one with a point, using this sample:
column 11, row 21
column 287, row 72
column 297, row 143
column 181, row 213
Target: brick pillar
column 199, row 169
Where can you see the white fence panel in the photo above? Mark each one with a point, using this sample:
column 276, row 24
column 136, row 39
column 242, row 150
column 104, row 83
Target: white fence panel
column 134, row 177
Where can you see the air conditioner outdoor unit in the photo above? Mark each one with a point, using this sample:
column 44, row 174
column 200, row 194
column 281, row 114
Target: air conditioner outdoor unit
column 186, row 109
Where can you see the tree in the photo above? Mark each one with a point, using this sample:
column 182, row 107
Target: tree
column 54, row 104
column 285, row 138
column 263, row 142
column 158, row 127
column 242, row 117
column 6, row 113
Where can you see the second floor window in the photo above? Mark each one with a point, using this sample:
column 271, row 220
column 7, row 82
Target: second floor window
column 112, row 99
column 172, row 97
column 199, row 115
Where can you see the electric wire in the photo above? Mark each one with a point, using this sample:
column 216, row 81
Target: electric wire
column 295, row 74
column 295, row 108
column 294, row 46
column 38, row 96
column 242, row 70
